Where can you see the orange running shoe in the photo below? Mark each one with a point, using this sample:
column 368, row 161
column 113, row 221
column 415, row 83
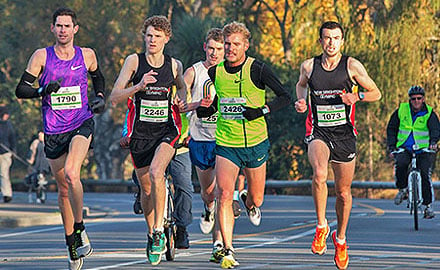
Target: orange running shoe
column 319, row 245
column 341, row 253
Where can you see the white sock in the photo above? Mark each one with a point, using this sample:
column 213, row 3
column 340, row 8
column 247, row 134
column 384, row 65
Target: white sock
column 340, row 241
column 158, row 230
column 323, row 225
column 236, row 195
column 218, row 243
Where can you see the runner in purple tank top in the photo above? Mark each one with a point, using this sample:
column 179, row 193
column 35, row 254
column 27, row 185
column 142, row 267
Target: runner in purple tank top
column 68, row 119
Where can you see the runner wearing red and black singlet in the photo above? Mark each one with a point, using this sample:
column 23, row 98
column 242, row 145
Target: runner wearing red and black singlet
column 333, row 80
column 329, row 119
column 156, row 119
column 149, row 79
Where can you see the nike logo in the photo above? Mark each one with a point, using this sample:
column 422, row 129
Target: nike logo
column 261, row 158
column 238, row 81
column 75, row 68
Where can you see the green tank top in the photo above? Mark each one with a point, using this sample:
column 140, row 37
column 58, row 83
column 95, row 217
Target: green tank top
column 234, row 90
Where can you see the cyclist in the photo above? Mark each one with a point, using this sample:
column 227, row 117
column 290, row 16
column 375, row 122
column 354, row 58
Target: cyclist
column 202, row 130
column 413, row 126
column 39, row 162
column 68, row 119
column 157, row 122
column 241, row 134
column 333, row 80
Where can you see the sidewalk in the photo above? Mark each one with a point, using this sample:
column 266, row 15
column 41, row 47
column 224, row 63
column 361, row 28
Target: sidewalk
column 20, row 213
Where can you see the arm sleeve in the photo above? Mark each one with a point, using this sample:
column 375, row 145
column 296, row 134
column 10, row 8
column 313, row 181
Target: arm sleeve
column 392, row 130
column 207, row 111
column 98, row 81
column 24, row 88
column 263, row 76
column 124, row 127
column 434, row 128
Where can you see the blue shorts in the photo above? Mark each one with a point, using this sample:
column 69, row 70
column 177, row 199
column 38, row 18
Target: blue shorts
column 202, row 154
column 245, row 157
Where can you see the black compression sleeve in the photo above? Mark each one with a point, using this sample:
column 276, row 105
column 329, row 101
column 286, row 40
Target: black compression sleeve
column 98, row 81
column 24, row 88
column 263, row 76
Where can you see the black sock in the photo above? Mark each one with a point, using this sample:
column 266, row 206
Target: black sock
column 79, row 226
column 70, row 239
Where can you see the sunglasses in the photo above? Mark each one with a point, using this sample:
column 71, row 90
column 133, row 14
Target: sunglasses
column 416, row 98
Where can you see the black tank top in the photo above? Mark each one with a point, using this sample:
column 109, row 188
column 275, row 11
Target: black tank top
column 328, row 113
column 153, row 107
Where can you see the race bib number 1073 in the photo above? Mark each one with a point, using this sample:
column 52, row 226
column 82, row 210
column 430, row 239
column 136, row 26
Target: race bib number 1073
column 331, row 115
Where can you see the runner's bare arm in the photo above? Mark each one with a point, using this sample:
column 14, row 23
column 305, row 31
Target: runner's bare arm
column 358, row 72
column 120, row 92
column 301, row 86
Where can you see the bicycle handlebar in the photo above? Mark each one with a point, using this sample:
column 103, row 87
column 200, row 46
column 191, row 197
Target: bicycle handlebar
column 424, row 150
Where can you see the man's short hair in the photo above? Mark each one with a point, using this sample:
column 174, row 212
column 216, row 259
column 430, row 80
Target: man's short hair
column 159, row 22
column 63, row 11
column 236, row 27
column 3, row 110
column 330, row 25
column 215, row 34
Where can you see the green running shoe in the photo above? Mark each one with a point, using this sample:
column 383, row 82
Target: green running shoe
column 159, row 243
column 228, row 261
column 154, row 259
column 217, row 253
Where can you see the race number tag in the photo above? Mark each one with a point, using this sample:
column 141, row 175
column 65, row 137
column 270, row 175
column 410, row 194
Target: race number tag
column 231, row 108
column 210, row 122
column 154, row 111
column 66, row 98
column 331, row 115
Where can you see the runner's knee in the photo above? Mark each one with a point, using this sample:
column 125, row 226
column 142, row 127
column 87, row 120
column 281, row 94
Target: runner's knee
column 344, row 195
column 156, row 174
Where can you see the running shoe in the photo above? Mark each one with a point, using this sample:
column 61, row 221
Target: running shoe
column 253, row 213
column 319, row 245
column 83, row 246
column 228, row 261
column 429, row 212
column 159, row 243
column 401, row 195
column 154, row 259
column 217, row 253
column 75, row 261
column 341, row 253
column 207, row 220
column 137, row 207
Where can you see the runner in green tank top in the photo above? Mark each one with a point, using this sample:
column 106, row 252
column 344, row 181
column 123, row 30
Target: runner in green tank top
column 241, row 135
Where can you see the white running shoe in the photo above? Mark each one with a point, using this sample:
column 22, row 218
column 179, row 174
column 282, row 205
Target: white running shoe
column 254, row 213
column 207, row 220
column 83, row 246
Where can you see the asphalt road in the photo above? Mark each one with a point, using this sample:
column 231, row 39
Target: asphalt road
column 380, row 236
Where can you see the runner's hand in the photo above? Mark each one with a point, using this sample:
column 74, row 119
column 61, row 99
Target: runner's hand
column 98, row 104
column 301, row 105
column 148, row 78
column 180, row 104
column 433, row 147
column 51, row 87
column 254, row 113
column 124, row 142
column 350, row 98
column 206, row 101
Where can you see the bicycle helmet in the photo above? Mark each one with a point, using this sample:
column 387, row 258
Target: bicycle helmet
column 416, row 90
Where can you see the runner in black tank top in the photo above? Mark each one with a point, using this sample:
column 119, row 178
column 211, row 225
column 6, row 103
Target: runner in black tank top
column 150, row 118
column 329, row 113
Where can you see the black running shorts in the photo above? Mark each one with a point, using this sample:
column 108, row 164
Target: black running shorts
column 57, row 145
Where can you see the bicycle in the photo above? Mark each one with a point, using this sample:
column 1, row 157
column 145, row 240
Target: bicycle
column 170, row 226
column 415, row 198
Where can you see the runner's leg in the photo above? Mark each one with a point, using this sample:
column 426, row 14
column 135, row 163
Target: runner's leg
column 146, row 200
column 256, row 178
column 344, row 173
column 226, row 174
column 319, row 154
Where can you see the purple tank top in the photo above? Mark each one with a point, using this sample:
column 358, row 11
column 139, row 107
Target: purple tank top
column 67, row 109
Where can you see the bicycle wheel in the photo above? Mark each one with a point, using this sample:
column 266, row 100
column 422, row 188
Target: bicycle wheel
column 415, row 204
column 170, row 228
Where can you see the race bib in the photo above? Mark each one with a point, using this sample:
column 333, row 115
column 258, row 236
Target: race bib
column 331, row 115
column 210, row 122
column 66, row 98
column 154, row 111
column 231, row 108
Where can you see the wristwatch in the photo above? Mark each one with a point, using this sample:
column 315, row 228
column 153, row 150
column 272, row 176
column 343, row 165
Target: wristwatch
column 265, row 110
column 361, row 96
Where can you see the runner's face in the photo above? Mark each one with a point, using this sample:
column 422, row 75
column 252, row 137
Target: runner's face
column 331, row 41
column 214, row 51
column 235, row 48
column 64, row 30
column 155, row 40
